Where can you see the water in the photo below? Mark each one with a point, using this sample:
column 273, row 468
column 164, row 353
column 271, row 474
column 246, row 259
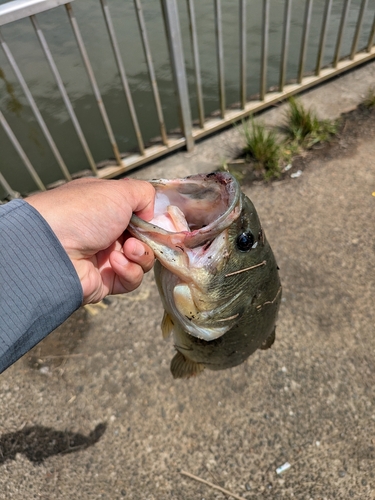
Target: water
column 25, row 47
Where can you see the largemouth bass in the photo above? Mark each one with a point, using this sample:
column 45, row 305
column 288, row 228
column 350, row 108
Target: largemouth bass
column 215, row 271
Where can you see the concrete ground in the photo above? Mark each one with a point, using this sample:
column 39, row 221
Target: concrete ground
column 94, row 413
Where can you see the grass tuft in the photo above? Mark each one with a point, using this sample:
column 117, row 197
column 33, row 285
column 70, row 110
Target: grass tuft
column 269, row 154
column 303, row 126
column 263, row 148
column 369, row 102
column 300, row 122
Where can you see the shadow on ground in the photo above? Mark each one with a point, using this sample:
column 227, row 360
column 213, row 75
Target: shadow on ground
column 38, row 443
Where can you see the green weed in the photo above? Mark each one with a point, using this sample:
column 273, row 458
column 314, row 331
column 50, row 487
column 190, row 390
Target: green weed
column 369, row 102
column 303, row 127
column 263, row 148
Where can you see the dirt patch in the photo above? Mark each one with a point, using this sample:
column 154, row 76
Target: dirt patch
column 359, row 123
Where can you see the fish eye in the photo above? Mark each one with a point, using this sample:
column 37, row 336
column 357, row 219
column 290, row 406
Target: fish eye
column 245, row 241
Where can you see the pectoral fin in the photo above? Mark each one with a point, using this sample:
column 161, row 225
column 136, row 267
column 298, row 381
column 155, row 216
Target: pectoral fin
column 182, row 367
column 166, row 325
column 269, row 340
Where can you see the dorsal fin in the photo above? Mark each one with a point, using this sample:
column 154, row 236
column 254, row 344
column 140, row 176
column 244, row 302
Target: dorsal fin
column 182, row 367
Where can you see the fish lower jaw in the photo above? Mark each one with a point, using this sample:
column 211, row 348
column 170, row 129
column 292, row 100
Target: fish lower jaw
column 203, row 333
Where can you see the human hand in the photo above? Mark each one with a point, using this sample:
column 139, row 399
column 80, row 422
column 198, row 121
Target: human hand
column 89, row 217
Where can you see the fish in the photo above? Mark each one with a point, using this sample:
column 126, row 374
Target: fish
column 216, row 274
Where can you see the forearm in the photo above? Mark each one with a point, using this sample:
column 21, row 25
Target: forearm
column 39, row 287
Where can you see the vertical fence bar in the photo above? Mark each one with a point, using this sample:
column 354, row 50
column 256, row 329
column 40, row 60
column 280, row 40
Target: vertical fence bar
column 287, row 16
column 151, row 71
column 4, row 184
column 264, row 56
column 196, row 62
column 21, row 152
column 343, row 20
column 172, row 24
column 370, row 42
column 323, row 36
column 243, row 92
column 63, row 93
column 35, row 109
column 121, row 70
column 358, row 28
column 94, row 85
column 220, row 55
column 305, row 36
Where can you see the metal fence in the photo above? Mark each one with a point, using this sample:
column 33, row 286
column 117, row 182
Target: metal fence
column 188, row 82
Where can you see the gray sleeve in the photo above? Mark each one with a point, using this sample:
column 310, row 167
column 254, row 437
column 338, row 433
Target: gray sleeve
column 39, row 287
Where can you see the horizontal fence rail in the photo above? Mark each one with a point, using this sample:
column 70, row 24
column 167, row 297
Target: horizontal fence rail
column 195, row 111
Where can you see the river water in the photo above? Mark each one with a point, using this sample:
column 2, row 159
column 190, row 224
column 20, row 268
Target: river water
column 25, row 47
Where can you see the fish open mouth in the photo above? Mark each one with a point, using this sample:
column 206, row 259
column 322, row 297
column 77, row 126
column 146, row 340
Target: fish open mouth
column 200, row 200
column 195, row 210
column 188, row 235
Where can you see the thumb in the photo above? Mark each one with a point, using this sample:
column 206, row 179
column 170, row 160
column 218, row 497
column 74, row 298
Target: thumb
column 141, row 196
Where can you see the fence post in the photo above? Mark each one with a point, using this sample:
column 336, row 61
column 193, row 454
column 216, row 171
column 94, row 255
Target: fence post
column 21, row 152
column 172, row 26
column 9, row 191
column 264, row 56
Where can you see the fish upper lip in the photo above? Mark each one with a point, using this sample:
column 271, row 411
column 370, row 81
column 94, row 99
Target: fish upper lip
column 202, row 235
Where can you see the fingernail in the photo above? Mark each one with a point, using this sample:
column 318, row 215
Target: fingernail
column 138, row 250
